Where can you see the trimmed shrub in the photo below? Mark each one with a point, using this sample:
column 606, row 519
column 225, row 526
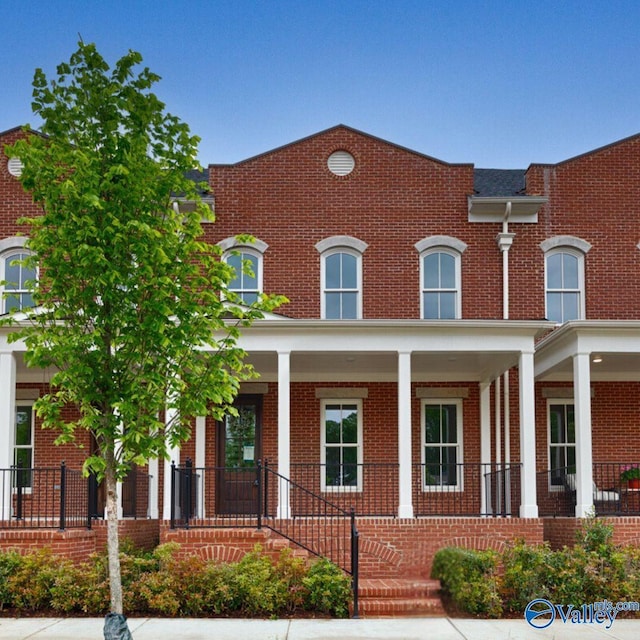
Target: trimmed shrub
column 328, row 589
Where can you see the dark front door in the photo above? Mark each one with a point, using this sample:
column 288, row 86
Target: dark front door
column 238, row 452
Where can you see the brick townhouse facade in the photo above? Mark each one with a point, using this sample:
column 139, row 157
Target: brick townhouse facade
column 459, row 359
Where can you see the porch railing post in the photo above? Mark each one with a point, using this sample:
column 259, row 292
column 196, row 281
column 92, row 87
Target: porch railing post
column 266, row 488
column 186, row 494
column 19, row 489
column 63, row 495
column 355, row 550
column 173, row 495
column 259, row 490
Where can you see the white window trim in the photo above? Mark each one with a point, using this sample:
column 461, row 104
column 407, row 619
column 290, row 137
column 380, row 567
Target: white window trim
column 323, row 444
column 9, row 247
column 458, row 280
column 551, row 401
column 459, row 435
column 25, row 403
column 580, row 255
column 247, row 250
column 323, row 281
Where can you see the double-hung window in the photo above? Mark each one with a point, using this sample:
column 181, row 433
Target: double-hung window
column 246, row 282
column 562, row 440
column 247, row 260
column 18, row 281
column 341, row 277
column 341, row 445
column 442, row 444
column 564, row 278
column 440, row 277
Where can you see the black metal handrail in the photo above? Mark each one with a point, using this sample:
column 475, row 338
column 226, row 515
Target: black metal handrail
column 266, row 499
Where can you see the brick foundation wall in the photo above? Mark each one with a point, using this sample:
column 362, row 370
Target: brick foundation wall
column 77, row 544
column 562, row 532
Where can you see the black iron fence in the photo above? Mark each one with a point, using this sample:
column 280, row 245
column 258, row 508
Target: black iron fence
column 615, row 490
column 62, row 498
column 466, row 489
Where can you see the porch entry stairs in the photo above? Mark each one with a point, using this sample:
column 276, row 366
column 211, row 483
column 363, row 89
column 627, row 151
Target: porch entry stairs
column 319, row 527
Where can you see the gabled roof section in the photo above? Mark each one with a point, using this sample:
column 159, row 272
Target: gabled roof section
column 499, row 182
column 343, row 128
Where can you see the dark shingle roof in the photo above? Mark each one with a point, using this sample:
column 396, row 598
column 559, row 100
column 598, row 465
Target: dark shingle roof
column 499, row 182
column 198, row 176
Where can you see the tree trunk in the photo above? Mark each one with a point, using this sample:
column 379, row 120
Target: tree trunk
column 113, row 542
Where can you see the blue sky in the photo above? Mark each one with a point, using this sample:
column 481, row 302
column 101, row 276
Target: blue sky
column 497, row 84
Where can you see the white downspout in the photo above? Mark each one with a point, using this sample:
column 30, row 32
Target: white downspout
column 505, row 240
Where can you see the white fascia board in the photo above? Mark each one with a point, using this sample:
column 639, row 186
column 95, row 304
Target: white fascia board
column 493, row 209
column 392, row 336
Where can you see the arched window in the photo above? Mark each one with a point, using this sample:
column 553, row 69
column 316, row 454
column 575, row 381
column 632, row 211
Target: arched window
column 564, row 278
column 246, row 261
column 17, row 278
column 440, row 277
column 341, row 277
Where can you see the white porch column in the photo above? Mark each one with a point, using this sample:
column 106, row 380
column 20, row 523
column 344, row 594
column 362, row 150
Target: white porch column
column 284, row 431
column 584, row 450
column 485, row 442
column 7, row 428
column 528, row 505
column 174, row 456
column 405, row 506
column 200, row 463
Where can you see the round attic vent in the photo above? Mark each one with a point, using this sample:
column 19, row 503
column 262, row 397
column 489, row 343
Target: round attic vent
column 341, row 163
column 15, row 167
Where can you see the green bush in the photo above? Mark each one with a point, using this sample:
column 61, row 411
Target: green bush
column 526, row 575
column 328, row 589
column 469, row 578
column 164, row 584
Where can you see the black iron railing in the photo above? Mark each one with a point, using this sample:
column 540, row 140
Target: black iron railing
column 614, row 491
column 62, row 498
column 262, row 498
column 466, row 489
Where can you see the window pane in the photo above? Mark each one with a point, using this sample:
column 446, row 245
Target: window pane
column 432, row 423
column 350, row 466
column 23, row 426
column 570, row 271
column 447, row 271
column 249, row 271
column 556, row 419
column 571, row 424
column 349, row 306
column 350, row 425
column 332, row 306
column 332, row 470
column 431, row 310
column 249, row 298
column 432, row 271
column 333, row 418
column 449, row 426
column 332, row 271
column 570, row 306
column 12, row 272
column 554, row 307
column 447, row 305
column 23, row 458
column 236, row 262
column 554, row 271
column 349, row 271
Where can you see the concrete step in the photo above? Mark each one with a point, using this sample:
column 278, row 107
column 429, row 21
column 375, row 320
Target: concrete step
column 399, row 597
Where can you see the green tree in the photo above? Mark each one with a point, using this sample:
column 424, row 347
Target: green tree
column 132, row 308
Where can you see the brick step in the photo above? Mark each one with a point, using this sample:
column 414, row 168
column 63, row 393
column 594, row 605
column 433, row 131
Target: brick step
column 399, row 597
